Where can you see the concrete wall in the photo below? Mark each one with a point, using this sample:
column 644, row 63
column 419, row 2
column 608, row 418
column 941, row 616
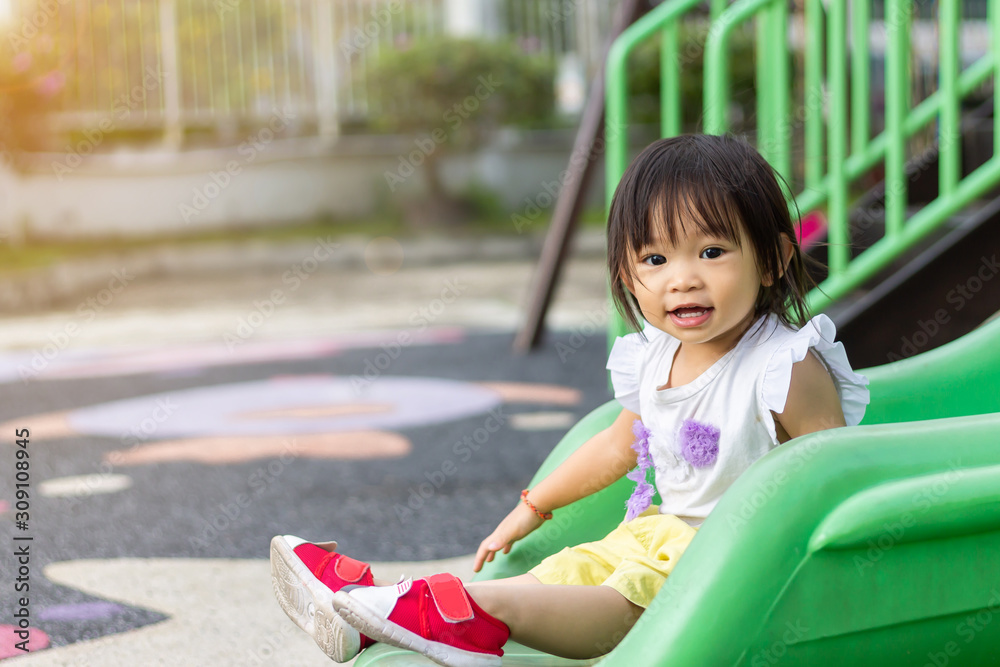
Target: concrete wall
column 132, row 193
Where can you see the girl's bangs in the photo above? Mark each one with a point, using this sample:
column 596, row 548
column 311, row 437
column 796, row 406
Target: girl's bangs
column 685, row 207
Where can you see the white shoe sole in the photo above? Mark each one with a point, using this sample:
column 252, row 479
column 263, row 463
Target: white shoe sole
column 371, row 624
column 308, row 602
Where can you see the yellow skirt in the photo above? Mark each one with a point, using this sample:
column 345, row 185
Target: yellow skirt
column 634, row 559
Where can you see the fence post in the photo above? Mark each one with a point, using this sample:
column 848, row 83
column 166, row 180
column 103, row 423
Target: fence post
column 326, row 73
column 173, row 125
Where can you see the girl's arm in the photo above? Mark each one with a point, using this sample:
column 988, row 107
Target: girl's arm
column 597, row 463
column 812, row 403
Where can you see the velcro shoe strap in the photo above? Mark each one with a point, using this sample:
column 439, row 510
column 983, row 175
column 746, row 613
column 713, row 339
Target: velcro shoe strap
column 349, row 569
column 450, row 598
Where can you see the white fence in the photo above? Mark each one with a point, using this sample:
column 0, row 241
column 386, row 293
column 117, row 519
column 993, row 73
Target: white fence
column 167, row 65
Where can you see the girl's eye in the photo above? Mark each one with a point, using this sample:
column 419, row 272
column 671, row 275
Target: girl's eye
column 712, row 253
column 655, row 260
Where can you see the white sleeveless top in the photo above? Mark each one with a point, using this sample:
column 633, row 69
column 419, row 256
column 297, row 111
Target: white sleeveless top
column 706, row 433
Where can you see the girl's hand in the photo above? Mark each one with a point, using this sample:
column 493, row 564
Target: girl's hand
column 604, row 458
column 515, row 525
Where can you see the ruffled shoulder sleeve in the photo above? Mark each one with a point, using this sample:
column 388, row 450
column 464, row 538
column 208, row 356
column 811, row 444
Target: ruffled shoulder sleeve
column 819, row 333
column 625, row 362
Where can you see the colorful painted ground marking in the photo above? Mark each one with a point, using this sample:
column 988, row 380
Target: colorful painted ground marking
column 539, row 394
column 37, row 640
column 314, row 416
column 230, row 449
column 81, row 611
column 58, row 364
column 83, row 485
column 256, row 408
column 542, row 421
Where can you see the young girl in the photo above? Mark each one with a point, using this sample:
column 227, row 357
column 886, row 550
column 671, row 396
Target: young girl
column 727, row 367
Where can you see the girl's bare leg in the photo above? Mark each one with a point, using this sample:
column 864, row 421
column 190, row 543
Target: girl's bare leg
column 568, row 621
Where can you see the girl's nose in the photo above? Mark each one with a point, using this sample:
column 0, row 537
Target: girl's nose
column 683, row 278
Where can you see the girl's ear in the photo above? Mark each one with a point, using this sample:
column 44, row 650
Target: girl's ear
column 787, row 248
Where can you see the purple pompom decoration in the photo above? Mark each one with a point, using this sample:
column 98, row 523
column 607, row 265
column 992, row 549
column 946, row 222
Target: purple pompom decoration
column 641, row 444
column 699, row 443
column 639, row 501
column 642, row 496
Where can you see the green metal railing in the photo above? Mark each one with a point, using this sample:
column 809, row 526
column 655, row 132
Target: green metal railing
column 844, row 107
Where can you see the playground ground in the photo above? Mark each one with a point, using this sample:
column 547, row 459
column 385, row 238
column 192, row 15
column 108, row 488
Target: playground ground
column 176, row 422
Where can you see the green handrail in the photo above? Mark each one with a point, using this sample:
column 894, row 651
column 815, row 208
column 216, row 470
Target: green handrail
column 835, row 110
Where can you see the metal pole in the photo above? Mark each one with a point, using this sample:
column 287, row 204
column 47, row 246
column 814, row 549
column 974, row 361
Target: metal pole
column 949, row 128
column 173, row 135
column 326, row 73
column 839, row 250
column 570, row 199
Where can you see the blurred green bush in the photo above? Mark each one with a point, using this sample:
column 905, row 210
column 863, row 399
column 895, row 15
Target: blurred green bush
column 464, row 87
column 454, row 94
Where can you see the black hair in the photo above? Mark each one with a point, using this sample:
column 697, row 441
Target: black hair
column 721, row 184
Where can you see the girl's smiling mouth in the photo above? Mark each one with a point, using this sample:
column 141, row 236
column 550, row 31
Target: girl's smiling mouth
column 690, row 316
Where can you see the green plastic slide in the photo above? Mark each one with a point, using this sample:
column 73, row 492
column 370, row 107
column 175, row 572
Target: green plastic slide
column 871, row 545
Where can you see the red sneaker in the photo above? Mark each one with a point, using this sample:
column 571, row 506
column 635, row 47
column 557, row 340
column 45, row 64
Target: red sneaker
column 433, row 616
column 305, row 576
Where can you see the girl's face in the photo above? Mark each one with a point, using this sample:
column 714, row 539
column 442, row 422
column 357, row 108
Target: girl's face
column 701, row 291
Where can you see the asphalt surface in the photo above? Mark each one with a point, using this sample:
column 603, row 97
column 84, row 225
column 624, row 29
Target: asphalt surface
column 187, row 422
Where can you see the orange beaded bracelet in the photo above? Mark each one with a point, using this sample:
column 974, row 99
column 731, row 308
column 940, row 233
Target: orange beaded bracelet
column 544, row 516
